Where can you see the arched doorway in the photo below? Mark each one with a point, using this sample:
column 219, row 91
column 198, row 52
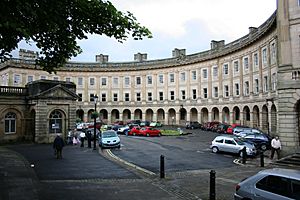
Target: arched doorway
column 56, row 122
column 194, row 114
column 273, row 128
column 183, row 113
column 215, row 114
column 103, row 116
column 161, row 115
column 204, row 115
column 225, row 115
column 138, row 114
column 265, row 119
column 246, row 116
column 236, row 115
column 79, row 115
column 172, row 117
column 115, row 115
column 256, row 117
column 126, row 115
column 149, row 115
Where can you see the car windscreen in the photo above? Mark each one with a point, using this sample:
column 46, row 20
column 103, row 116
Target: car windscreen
column 109, row 134
column 238, row 141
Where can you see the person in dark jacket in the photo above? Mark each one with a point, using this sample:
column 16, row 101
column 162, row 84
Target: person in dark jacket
column 58, row 145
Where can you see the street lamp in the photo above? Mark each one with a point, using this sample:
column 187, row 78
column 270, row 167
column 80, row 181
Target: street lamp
column 95, row 102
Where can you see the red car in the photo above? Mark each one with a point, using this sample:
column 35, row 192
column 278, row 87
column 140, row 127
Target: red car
column 145, row 131
column 231, row 127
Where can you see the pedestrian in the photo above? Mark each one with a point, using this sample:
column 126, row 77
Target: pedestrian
column 82, row 137
column 58, row 145
column 275, row 147
column 75, row 140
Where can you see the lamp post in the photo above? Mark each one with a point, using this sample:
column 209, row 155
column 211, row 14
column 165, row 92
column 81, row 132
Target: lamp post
column 95, row 102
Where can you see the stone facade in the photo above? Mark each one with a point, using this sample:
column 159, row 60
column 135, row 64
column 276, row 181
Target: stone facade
column 253, row 80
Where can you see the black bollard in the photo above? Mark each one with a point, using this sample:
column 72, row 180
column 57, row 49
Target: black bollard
column 162, row 166
column 244, row 155
column 262, row 162
column 212, row 188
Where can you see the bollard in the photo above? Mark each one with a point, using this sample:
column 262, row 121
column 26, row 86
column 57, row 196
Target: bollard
column 162, row 166
column 262, row 162
column 212, row 188
column 244, row 155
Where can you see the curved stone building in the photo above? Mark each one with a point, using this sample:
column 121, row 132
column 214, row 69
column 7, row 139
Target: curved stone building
column 254, row 80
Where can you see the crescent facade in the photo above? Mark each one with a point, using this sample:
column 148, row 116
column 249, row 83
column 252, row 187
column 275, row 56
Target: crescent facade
column 254, row 81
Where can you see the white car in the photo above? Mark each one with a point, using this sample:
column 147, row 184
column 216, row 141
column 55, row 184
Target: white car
column 109, row 139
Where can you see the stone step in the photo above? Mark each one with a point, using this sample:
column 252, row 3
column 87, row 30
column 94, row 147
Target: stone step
column 289, row 162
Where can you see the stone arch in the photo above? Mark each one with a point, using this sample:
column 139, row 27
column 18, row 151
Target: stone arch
column 265, row 119
column 103, row 115
column 80, row 115
column 215, row 114
column 273, row 128
column 138, row 114
column 161, row 115
column 182, row 115
column 226, row 115
column 255, row 117
column 204, row 115
column 194, row 114
column 115, row 115
column 149, row 115
column 126, row 115
column 236, row 118
column 246, row 116
column 90, row 111
column 18, row 124
column 57, row 122
column 172, row 116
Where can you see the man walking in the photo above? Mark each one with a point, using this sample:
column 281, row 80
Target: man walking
column 58, row 145
column 275, row 146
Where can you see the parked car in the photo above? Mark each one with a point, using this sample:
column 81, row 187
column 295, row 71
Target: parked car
column 193, row 125
column 98, row 125
column 149, row 131
column 238, row 129
column 261, row 140
column 145, row 123
column 134, row 131
column 232, row 144
column 109, row 139
column 270, row 184
column 155, row 124
column 209, row 126
column 135, row 121
column 106, row 127
column 231, row 127
column 243, row 131
column 222, row 128
column 123, row 129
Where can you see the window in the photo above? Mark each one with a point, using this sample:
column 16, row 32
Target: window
column 80, row 96
column 138, row 80
column 115, row 81
column 17, row 79
column 182, row 76
column 172, row 78
column 29, row 79
column 126, row 81
column 225, row 69
column 149, row 80
column 216, row 92
column 219, row 140
column 10, row 123
column 274, row 81
column 126, row 96
column 92, row 81
column 264, row 56
column 161, row 78
column 204, row 73
column 205, row 93
column 237, row 89
column 80, row 81
column 194, row 93
column 246, row 63
column 172, row 95
column 161, row 96
column 274, row 184
column 115, row 96
column 43, row 77
column 55, row 78
column 266, row 86
column 226, row 91
column 149, row 96
column 255, row 59
column 68, row 79
column 55, row 122
column 256, row 86
column 215, row 71
column 194, row 75
column 183, row 94
column 138, row 96
column 246, row 88
column 236, row 67
column 92, row 97
column 230, row 142
column 103, row 81
column 103, row 97
column 273, row 52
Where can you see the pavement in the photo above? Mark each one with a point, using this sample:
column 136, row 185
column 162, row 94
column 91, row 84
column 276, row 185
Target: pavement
column 30, row 171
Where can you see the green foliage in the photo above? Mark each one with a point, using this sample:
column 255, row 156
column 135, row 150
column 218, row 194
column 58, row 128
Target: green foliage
column 170, row 132
column 94, row 115
column 56, row 24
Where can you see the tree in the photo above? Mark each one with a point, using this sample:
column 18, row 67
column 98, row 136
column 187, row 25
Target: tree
column 56, row 24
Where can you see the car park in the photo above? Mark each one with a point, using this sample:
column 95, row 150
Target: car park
column 193, row 125
column 270, row 184
column 232, row 144
column 109, row 139
column 261, row 140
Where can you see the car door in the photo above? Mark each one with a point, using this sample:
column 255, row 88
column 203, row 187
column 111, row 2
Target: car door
column 230, row 146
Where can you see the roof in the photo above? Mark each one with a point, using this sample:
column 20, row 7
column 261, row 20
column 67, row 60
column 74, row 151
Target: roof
column 289, row 173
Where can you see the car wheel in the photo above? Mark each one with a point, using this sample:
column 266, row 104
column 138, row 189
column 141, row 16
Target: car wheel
column 263, row 147
column 147, row 135
column 215, row 150
column 133, row 134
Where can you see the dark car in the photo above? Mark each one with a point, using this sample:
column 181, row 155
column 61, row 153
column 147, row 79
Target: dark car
column 193, row 125
column 261, row 140
column 222, row 128
column 145, row 123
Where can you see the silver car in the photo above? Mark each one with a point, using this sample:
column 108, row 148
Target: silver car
column 232, row 144
column 270, row 184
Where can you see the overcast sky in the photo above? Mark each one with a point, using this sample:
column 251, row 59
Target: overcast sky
column 183, row 24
